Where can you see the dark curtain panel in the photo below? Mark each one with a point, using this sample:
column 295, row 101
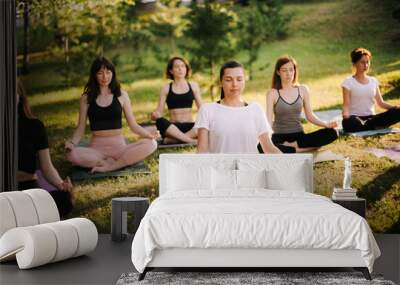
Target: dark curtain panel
column 8, row 112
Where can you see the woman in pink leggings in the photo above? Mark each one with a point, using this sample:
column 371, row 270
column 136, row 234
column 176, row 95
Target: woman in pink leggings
column 102, row 102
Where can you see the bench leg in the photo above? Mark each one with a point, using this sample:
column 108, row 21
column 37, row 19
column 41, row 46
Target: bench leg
column 364, row 271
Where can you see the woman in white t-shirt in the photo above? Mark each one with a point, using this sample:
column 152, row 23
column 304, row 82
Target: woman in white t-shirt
column 360, row 93
column 231, row 125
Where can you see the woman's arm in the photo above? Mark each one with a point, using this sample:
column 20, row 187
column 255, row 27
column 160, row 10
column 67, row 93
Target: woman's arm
column 80, row 130
column 267, row 145
column 161, row 103
column 346, row 103
column 310, row 116
column 202, row 140
column 197, row 94
column 51, row 173
column 271, row 100
column 381, row 103
column 130, row 118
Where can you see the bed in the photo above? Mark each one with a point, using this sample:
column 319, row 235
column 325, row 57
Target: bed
column 246, row 211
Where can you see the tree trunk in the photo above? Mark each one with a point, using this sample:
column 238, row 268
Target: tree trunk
column 212, row 80
column 250, row 70
column 253, row 56
column 66, row 59
column 26, row 38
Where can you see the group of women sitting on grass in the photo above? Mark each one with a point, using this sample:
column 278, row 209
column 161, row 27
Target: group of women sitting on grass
column 232, row 125
column 229, row 125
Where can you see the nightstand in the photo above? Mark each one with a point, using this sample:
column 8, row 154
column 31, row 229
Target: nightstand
column 357, row 205
column 119, row 211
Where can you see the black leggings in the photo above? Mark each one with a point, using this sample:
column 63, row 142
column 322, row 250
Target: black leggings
column 315, row 139
column 62, row 199
column 367, row 123
column 163, row 124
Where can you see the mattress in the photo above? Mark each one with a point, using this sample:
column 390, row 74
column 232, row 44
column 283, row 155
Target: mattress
column 251, row 219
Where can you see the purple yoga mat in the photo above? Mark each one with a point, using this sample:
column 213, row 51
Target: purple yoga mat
column 392, row 152
column 43, row 183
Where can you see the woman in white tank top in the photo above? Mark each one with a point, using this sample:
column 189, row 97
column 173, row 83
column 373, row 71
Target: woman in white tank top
column 360, row 93
column 231, row 125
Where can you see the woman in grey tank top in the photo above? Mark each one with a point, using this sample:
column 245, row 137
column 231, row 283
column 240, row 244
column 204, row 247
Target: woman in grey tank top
column 285, row 101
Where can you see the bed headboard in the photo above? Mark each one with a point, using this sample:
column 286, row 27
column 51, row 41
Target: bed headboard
column 282, row 162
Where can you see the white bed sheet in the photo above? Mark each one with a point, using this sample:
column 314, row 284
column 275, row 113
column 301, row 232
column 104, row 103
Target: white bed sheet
column 252, row 218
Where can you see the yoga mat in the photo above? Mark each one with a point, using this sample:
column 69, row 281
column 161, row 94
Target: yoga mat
column 43, row 183
column 392, row 153
column 80, row 173
column 161, row 145
column 374, row 132
column 326, row 155
column 152, row 127
column 327, row 115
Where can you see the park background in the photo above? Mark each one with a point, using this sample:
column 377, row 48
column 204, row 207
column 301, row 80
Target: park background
column 58, row 39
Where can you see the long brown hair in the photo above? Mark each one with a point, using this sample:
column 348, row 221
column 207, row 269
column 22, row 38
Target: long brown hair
column 92, row 87
column 276, row 79
column 23, row 107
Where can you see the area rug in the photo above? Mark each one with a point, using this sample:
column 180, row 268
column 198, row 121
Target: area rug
column 244, row 278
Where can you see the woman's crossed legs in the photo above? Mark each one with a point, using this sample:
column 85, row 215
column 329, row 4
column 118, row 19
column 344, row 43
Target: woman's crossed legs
column 111, row 153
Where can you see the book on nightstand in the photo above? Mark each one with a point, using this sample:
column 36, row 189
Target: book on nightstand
column 344, row 194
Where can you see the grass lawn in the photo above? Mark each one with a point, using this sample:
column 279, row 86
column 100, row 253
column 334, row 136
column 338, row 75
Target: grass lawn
column 321, row 35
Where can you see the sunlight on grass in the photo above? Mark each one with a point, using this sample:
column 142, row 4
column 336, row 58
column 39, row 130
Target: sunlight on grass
column 394, row 63
column 54, row 97
column 326, row 92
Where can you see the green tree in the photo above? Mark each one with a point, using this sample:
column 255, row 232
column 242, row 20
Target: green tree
column 260, row 22
column 209, row 36
column 23, row 7
column 139, row 38
column 167, row 25
column 82, row 28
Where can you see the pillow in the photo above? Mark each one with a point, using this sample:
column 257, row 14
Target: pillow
column 188, row 177
column 224, row 179
column 292, row 179
column 251, row 178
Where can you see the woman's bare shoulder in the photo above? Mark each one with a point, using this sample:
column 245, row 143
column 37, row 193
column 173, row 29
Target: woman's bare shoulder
column 304, row 88
column 272, row 92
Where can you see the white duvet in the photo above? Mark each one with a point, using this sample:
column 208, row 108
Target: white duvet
column 252, row 218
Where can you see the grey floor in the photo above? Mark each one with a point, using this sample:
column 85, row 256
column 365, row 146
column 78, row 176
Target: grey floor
column 110, row 260
column 103, row 266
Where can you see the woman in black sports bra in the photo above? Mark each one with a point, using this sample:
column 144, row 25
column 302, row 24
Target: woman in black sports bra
column 285, row 101
column 179, row 96
column 103, row 102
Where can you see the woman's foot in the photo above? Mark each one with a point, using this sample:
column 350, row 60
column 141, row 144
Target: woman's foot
column 168, row 140
column 291, row 144
column 104, row 165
